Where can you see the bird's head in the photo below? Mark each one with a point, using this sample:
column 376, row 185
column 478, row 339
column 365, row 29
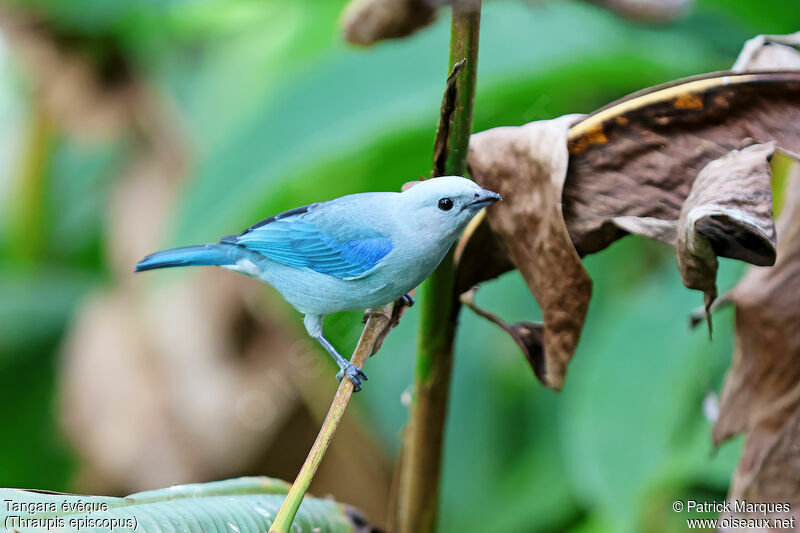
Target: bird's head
column 446, row 204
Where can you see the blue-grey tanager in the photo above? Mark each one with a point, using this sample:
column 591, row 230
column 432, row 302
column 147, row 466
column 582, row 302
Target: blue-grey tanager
column 354, row 252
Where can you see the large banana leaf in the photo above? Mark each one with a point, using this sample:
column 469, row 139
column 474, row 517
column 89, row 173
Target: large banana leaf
column 241, row 505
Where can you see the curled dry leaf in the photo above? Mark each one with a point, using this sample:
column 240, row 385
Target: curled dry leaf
column 527, row 166
column 640, row 156
column 366, row 22
column 632, row 165
column 728, row 213
column 769, row 52
column 761, row 395
column 657, row 229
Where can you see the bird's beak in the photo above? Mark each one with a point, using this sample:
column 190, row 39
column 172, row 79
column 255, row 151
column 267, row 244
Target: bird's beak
column 484, row 198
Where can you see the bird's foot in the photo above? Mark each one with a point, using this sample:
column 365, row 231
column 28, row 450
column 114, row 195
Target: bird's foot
column 354, row 374
column 407, row 299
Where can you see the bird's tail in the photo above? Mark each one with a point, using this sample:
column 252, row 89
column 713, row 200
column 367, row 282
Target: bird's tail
column 205, row 254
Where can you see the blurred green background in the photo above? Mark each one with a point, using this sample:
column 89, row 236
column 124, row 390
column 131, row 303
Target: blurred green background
column 272, row 111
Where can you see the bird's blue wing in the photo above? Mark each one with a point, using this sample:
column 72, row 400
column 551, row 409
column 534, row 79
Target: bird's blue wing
column 342, row 249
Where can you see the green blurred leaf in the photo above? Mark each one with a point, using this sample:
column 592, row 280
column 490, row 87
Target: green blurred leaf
column 632, row 421
column 34, row 306
column 240, row 505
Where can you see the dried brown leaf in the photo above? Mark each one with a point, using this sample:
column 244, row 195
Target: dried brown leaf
column 768, row 473
column 639, row 157
column 778, row 475
column 366, row 22
column 657, row 229
column 766, row 365
column 527, row 166
column 728, row 213
column 632, row 166
column 769, row 52
column 761, row 395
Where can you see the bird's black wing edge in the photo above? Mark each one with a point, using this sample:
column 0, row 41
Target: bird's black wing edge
column 231, row 239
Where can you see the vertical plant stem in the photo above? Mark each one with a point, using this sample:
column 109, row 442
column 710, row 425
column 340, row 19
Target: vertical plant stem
column 378, row 320
column 464, row 32
column 418, row 487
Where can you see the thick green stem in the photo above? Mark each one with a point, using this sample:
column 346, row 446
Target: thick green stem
column 418, row 487
column 464, row 32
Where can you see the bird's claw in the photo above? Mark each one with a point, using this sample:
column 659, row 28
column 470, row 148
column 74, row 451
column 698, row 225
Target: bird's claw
column 354, row 374
column 407, row 299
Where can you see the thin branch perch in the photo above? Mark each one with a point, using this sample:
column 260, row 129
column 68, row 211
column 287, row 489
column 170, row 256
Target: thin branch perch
column 378, row 322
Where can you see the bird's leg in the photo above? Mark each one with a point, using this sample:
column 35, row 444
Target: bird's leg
column 407, row 299
column 313, row 325
column 348, row 369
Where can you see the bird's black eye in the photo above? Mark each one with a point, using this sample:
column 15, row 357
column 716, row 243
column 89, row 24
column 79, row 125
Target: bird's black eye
column 445, row 204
